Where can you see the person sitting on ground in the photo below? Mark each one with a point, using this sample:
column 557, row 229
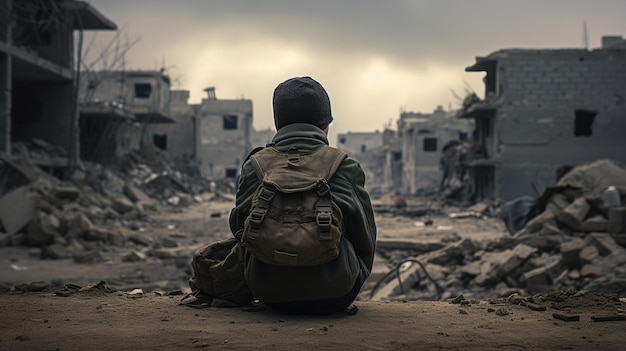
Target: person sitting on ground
column 302, row 115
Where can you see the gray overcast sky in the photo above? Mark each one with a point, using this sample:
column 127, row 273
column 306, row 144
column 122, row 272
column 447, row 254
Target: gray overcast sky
column 375, row 58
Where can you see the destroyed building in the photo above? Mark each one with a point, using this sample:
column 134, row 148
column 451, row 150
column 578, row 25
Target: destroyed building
column 117, row 109
column 367, row 148
column 215, row 135
column 423, row 138
column 544, row 112
column 37, row 72
column 392, row 148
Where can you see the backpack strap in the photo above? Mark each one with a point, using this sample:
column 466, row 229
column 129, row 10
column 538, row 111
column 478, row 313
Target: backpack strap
column 257, row 215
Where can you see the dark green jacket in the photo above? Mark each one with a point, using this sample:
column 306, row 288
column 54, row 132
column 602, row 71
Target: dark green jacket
column 275, row 284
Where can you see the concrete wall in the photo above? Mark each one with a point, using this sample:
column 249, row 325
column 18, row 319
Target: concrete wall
column 423, row 138
column 355, row 143
column 221, row 150
column 540, row 92
column 138, row 91
column 367, row 148
column 180, row 137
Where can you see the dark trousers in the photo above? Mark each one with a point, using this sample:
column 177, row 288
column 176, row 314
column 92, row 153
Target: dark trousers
column 328, row 306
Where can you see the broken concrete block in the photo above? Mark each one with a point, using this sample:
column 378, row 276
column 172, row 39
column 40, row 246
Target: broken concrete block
column 520, row 253
column 539, row 279
column 122, row 205
column 574, row 215
column 68, row 193
column 570, row 252
column 17, row 209
column 560, row 201
column 455, row 252
column 77, row 225
column 588, row 254
column 116, row 237
column 55, row 252
column 605, row 244
column 43, row 229
column 617, row 220
column 489, row 267
column 135, row 194
column 134, row 256
column 595, row 223
column 185, row 200
column 97, row 234
column 409, row 275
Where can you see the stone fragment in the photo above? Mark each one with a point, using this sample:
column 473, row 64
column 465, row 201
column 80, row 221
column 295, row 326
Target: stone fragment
column 566, row 317
column 68, row 193
column 617, row 220
column 134, row 256
column 605, row 244
column 17, row 209
column 574, row 215
column 135, row 194
column 122, row 205
column 594, row 224
column 539, row 279
column 77, row 224
column 42, row 230
column 520, row 253
column 588, row 254
column 570, row 252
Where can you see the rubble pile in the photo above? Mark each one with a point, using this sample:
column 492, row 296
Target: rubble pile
column 576, row 239
column 97, row 210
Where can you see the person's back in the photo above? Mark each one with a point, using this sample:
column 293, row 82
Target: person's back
column 302, row 114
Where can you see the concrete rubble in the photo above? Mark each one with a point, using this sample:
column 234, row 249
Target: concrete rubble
column 99, row 210
column 572, row 240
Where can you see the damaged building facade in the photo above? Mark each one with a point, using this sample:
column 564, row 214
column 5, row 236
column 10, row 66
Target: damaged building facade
column 215, row 135
column 117, row 109
column 367, row 147
column 37, row 75
column 423, row 139
column 544, row 112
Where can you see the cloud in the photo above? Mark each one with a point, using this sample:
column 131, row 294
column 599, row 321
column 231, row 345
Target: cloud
column 374, row 57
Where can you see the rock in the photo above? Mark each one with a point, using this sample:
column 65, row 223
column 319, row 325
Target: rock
column 43, row 229
column 55, row 252
column 169, row 243
column 540, row 279
column 605, row 244
column 570, row 252
column 134, row 256
column 135, row 194
column 68, row 193
column 116, row 237
column 617, row 220
column 520, row 253
column 98, row 234
column 77, row 225
column 122, row 205
column 595, row 223
column 588, row 254
column 574, row 215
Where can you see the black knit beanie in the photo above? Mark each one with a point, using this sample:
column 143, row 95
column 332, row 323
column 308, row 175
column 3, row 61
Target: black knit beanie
column 301, row 100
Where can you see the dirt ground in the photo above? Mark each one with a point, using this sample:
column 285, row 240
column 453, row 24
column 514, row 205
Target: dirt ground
column 108, row 317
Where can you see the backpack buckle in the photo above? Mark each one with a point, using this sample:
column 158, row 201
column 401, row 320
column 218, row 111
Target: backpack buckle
column 266, row 194
column 256, row 218
column 322, row 187
column 324, row 221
